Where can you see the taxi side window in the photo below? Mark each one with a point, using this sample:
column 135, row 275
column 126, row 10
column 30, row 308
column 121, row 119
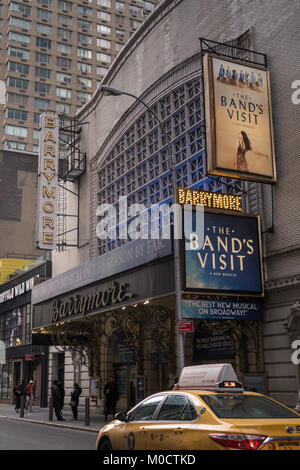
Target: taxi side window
column 145, row 411
column 172, row 408
column 189, row 413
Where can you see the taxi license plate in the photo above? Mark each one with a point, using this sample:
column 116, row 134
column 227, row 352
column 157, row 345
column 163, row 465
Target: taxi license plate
column 288, row 446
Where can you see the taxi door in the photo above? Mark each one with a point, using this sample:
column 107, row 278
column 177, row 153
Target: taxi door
column 167, row 430
column 132, row 434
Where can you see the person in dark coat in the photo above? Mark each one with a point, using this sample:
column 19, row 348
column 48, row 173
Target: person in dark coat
column 75, row 400
column 62, row 393
column 17, row 391
column 57, row 400
column 111, row 396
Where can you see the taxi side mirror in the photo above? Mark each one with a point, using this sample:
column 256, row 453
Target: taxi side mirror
column 121, row 416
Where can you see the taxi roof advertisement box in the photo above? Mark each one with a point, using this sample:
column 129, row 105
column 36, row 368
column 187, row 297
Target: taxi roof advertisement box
column 205, row 376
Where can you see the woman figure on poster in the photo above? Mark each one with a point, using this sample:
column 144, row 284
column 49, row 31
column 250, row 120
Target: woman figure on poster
column 244, row 146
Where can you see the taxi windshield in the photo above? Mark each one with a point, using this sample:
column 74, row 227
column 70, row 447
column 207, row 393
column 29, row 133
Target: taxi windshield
column 240, row 406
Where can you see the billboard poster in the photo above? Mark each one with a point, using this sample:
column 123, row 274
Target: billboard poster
column 209, row 345
column 221, row 309
column 223, row 256
column 238, row 120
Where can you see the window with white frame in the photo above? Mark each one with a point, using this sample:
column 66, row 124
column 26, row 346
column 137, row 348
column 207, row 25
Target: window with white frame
column 16, row 131
column 104, row 58
column 64, row 5
column 16, row 98
column 84, row 38
column 19, row 53
column 20, row 8
column 11, row 145
column 64, row 34
column 104, row 3
column 104, row 16
column 103, row 29
column 42, row 73
column 18, row 37
column 63, row 77
column 19, row 23
column 17, row 83
column 86, row 53
column 64, row 48
column 18, row 67
column 105, row 43
column 17, row 114
column 43, row 28
column 65, row 19
column 41, row 103
column 83, row 67
column 64, row 108
column 63, row 92
column 82, row 10
column 44, row 14
column 83, row 81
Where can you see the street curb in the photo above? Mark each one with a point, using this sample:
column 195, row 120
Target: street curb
column 48, row 423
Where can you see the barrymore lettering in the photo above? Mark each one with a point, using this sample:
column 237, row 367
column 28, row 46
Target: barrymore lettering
column 82, row 304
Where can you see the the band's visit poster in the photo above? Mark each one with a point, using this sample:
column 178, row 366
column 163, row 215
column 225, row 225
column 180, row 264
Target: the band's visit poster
column 224, row 255
column 239, row 120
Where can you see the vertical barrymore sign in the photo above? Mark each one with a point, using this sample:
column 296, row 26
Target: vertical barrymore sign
column 48, row 181
column 239, row 130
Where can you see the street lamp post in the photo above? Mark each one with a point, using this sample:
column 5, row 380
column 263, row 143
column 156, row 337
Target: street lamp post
column 110, row 91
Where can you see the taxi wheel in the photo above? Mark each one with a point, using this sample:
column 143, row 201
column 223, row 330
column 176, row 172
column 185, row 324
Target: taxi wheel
column 105, row 444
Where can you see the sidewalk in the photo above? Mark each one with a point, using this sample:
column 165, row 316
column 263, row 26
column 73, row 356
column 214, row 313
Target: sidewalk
column 41, row 416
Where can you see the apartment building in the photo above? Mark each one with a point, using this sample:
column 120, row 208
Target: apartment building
column 54, row 54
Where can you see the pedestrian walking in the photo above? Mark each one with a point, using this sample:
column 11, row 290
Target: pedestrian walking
column 17, row 391
column 111, row 396
column 75, row 394
column 62, row 393
column 57, row 400
column 29, row 395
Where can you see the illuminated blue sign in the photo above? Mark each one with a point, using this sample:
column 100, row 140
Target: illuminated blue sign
column 224, row 255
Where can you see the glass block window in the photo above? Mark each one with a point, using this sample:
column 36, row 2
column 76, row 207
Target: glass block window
column 138, row 166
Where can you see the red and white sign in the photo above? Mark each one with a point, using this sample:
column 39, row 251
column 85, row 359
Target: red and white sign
column 186, row 326
column 205, row 376
column 29, row 357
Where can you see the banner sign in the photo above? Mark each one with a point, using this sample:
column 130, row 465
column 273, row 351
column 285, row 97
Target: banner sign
column 129, row 256
column 239, row 127
column 48, row 181
column 208, row 346
column 224, row 255
column 221, row 309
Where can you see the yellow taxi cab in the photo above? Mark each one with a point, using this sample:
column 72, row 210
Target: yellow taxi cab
column 208, row 410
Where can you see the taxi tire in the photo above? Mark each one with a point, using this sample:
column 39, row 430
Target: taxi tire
column 105, row 444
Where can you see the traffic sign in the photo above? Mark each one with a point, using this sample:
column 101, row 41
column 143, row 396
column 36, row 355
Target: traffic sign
column 186, row 326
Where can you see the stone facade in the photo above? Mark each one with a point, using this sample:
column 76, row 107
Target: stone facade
column 162, row 56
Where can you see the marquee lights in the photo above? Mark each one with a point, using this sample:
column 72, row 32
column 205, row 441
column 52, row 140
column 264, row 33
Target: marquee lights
column 208, row 199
